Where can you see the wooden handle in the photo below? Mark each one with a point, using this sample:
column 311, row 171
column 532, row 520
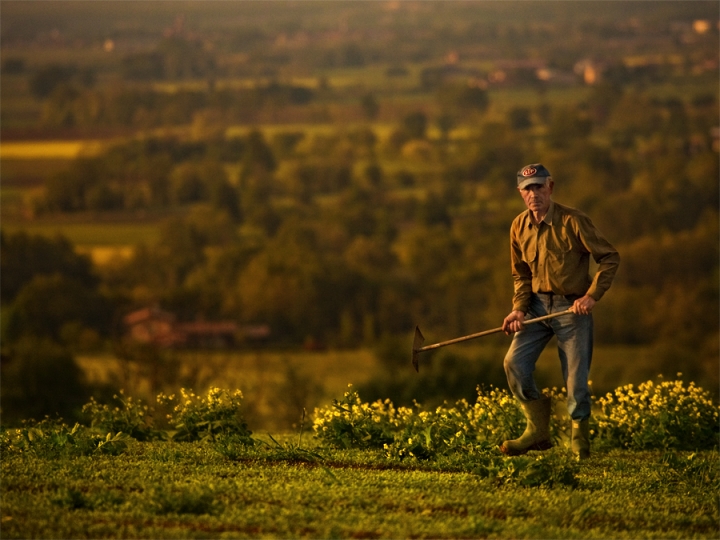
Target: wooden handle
column 488, row 332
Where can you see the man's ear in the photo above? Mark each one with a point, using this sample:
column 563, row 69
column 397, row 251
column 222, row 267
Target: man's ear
column 551, row 185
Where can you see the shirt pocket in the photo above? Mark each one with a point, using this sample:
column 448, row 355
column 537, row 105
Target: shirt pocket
column 565, row 260
column 528, row 247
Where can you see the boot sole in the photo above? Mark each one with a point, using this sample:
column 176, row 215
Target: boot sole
column 542, row 445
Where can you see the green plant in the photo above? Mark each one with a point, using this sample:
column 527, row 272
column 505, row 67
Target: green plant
column 413, row 432
column 350, row 423
column 130, row 416
column 694, row 471
column 183, row 499
column 660, row 415
column 547, row 469
column 51, row 438
column 198, row 418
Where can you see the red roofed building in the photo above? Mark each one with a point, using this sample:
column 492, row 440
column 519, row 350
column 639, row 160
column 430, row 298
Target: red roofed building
column 157, row 327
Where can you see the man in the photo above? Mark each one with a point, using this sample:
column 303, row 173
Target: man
column 550, row 248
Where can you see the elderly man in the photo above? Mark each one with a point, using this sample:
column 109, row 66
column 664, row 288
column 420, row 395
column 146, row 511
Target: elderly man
column 550, row 247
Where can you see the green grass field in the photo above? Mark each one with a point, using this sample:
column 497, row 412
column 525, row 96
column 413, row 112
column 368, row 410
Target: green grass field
column 190, row 490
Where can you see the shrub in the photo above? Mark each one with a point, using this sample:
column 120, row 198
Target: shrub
column 664, row 415
column 657, row 416
column 53, row 439
column 350, row 423
column 131, row 416
column 198, row 418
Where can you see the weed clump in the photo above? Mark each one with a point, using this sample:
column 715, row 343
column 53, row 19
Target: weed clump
column 197, row 418
column 52, row 439
column 664, row 415
column 130, row 416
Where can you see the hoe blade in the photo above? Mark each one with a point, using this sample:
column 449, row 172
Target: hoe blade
column 417, row 343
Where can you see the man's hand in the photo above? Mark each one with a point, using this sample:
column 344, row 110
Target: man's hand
column 514, row 322
column 584, row 305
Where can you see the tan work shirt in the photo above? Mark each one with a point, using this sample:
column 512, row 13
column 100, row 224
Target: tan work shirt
column 554, row 256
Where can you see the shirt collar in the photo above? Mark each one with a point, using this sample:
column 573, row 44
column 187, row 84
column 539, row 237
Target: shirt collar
column 548, row 219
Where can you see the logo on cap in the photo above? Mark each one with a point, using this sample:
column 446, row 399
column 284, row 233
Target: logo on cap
column 529, row 171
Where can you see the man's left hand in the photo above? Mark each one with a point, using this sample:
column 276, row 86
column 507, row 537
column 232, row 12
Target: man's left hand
column 584, row 305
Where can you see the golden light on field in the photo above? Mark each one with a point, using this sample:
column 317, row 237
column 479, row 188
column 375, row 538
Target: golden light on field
column 50, row 149
column 103, row 255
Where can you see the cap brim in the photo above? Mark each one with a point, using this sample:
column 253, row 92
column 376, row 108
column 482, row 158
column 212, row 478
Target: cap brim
column 536, row 180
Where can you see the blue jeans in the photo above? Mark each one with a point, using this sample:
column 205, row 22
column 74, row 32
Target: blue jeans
column 575, row 344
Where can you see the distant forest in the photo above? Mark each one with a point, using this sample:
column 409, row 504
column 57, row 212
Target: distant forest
column 342, row 171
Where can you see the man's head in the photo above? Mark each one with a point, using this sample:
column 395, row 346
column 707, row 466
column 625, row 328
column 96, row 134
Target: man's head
column 535, row 185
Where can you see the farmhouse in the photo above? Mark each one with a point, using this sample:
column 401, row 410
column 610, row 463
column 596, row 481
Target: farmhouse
column 155, row 326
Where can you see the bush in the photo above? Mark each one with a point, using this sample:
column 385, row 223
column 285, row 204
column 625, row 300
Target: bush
column 350, row 423
column 658, row 416
column 199, row 418
column 131, row 416
column 406, row 431
column 666, row 415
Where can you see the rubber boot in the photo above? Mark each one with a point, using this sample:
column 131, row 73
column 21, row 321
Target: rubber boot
column 580, row 439
column 537, row 432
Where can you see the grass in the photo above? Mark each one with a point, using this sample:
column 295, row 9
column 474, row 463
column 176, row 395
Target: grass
column 189, row 490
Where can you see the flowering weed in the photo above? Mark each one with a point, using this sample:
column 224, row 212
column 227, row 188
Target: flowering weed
column 197, row 418
column 130, row 416
column 664, row 415
column 350, row 423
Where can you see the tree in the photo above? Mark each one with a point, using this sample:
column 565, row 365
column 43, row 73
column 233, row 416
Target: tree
column 415, row 125
column 57, row 307
column 23, row 257
column 50, row 77
column 370, row 106
column 41, row 378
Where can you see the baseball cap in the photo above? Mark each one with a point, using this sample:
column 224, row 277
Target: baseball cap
column 532, row 174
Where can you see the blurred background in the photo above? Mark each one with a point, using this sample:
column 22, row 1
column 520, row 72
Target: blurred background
column 271, row 195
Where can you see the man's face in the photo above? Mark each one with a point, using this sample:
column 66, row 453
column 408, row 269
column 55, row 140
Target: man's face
column 537, row 197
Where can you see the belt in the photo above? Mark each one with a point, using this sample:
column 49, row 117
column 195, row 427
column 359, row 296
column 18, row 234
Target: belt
column 570, row 297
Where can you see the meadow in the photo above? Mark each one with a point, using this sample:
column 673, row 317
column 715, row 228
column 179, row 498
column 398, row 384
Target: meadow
column 370, row 471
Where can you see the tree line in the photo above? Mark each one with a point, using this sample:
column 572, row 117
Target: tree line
column 339, row 238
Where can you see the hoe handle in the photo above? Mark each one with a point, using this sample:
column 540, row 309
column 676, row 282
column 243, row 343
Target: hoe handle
column 488, row 332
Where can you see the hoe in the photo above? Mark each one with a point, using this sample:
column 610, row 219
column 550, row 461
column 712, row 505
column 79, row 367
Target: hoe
column 419, row 339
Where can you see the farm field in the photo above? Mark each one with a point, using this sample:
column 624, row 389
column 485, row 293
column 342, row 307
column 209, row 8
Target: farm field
column 337, row 173
column 89, row 235
column 191, row 490
column 51, row 149
column 338, row 368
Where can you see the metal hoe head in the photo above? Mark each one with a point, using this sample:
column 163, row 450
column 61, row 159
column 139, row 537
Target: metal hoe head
column 418, row 341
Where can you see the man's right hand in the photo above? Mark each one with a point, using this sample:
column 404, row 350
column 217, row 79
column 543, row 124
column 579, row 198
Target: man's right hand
column 514, row 322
